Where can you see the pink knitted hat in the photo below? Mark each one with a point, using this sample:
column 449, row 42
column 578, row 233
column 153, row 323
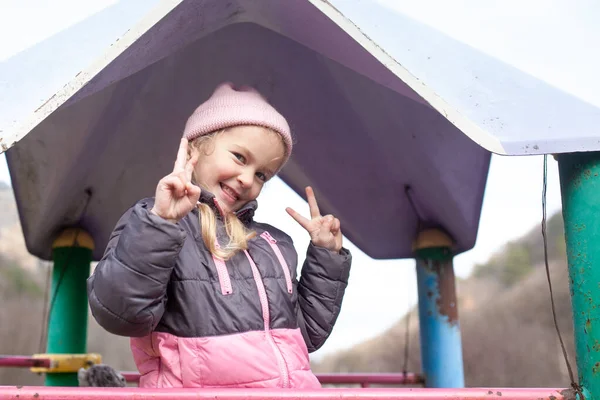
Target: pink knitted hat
column 229, row 107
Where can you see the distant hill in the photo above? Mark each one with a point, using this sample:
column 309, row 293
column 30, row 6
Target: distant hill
column 508, row 334
column 12, row 243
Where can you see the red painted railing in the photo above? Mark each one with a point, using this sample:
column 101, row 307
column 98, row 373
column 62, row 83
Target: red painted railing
column 25, row 362
column 72, row 393
column 61, row 393
column 364, row 380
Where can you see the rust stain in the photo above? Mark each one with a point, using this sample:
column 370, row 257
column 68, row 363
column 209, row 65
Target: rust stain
column 46, row 102
column 499, row 394
column 552, row 397
column 446, row 301
column 569, row 394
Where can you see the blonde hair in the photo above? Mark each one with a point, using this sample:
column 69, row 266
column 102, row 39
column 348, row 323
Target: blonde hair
column 237, row 233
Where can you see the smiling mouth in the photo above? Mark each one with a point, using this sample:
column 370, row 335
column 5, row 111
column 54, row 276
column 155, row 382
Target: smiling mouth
column 229, row 193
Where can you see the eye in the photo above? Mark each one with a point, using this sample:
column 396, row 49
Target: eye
column 240, row 157
column 261, row 176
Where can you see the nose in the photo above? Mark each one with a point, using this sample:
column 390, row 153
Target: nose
column 246, row 177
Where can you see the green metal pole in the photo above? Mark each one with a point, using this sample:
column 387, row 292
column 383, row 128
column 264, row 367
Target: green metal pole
column 580, row 188
column 67, row 326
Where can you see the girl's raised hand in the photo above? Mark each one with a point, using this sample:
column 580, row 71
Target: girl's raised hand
column 176, row 195
column 324, row 231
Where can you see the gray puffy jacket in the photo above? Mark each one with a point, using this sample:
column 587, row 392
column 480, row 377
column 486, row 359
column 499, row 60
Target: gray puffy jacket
column 193, row 317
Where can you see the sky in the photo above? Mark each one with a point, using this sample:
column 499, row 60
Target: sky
column 382, row 291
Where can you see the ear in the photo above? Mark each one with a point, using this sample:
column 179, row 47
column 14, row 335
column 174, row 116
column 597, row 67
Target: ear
column 191, row 150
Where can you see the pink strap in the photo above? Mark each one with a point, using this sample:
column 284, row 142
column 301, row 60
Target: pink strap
column 264, row 303
column 224, row 280
column 262, row 293
column 286, row 271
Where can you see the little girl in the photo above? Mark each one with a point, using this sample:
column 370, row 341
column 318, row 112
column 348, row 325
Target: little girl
column 209, row 296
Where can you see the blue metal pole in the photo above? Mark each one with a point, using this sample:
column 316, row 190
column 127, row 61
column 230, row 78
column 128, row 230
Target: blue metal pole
column 441, row 347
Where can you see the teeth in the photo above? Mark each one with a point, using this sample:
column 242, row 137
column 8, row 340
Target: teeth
column 229, row 191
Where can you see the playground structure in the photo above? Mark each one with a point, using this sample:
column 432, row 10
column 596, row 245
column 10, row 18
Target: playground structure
column 357, row 87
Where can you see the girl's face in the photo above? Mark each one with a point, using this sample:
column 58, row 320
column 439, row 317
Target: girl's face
column 238, row 163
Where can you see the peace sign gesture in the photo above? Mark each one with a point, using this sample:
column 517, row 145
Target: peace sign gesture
column 175, row 194
column 324, row 231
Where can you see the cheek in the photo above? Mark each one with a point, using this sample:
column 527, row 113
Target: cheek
column 256, row 189
column 198, row 173
column 214, row 172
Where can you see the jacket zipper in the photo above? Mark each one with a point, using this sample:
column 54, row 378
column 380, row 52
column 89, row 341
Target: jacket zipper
column 286, row 270
column 264, row 303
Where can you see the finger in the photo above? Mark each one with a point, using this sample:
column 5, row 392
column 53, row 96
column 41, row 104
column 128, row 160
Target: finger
column 193, row 191
column 326, row 224
column 175, row 185
column 304, row 222
column 190, row 165
column 181, row 156
column 312, row 203
column 335, row 226
column 339, row 241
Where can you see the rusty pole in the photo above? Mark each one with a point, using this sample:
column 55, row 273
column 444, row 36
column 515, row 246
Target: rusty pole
column 441, row 347
column 580, row 189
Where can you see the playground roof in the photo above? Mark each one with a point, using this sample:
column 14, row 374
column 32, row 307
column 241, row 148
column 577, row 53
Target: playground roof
column 377, row 103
